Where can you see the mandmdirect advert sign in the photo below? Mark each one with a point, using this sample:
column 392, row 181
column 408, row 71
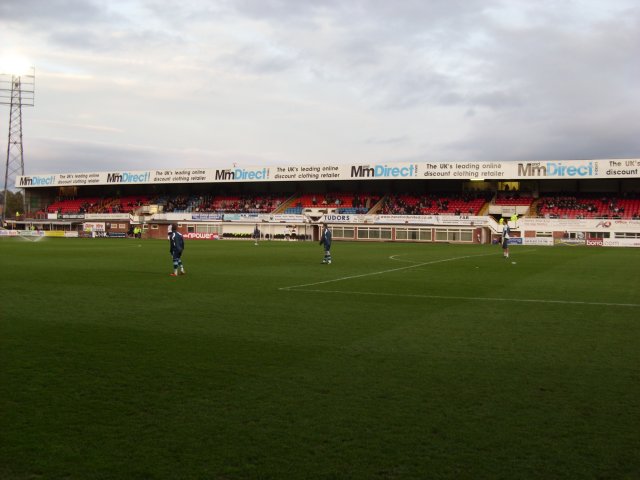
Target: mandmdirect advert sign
column 509, row 170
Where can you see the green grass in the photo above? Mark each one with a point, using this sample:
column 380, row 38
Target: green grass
column 111, row 369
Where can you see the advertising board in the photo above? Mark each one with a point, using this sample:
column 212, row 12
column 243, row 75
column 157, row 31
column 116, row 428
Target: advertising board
column 507, row 170
column 201, row 236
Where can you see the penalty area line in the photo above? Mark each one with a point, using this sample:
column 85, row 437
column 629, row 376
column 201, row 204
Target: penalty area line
column 482, row 299
column 396, row 259
column 370, row 274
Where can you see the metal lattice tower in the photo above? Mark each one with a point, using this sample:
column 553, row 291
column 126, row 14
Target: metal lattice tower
column 16, row 91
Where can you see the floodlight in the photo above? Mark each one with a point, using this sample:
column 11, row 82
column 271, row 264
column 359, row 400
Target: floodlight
column 15, row 65
column 17, row 90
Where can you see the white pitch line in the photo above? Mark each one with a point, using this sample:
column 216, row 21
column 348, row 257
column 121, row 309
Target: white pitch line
column 484, row 299
column 393, row 257
column 384, row 271
column 396, row 259
column 300, row 288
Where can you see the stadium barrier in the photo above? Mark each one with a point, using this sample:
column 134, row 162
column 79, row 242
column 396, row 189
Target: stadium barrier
column 353, row 227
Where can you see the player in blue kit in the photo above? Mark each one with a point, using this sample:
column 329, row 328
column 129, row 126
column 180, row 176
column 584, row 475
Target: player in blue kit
column 176, row 247
column 325, row 240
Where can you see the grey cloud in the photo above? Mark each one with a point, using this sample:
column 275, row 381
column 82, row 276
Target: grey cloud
column 257, row 60
column 496, row 99
column 51, row 155
column 406, row 15
column 86, row 25
column 59, row 11
column 411, row 89
column 104, row 39
column 86, row 39
column 539, row 77
column 388, row 140
column 516, row 137
column 286, row 11
column 555, row 59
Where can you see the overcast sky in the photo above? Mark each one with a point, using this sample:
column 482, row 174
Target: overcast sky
column 143, row 84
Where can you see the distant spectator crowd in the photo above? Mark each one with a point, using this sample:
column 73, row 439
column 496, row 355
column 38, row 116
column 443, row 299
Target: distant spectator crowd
column 589, row 206
column 466, row 203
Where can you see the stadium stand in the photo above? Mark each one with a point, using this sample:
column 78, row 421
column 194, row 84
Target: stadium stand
column 588, row 206
column 223, row 203
column 98, row 205
column 555, row 205
column 434, row 204
column 341, row 202
column 177, row 203
column 76, row 205
column 514, row 199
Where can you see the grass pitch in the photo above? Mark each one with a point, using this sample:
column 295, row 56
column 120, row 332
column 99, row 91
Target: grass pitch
column 398, row 361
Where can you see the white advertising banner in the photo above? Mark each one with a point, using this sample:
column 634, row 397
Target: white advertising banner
column 578, row 225
column 204, row 217
column 621, row 242
column 548, row 169
column 285, row 218
column 542, row 241
column 465, row 220
column 405, row 219
column 107, row 216
column 182, row 216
